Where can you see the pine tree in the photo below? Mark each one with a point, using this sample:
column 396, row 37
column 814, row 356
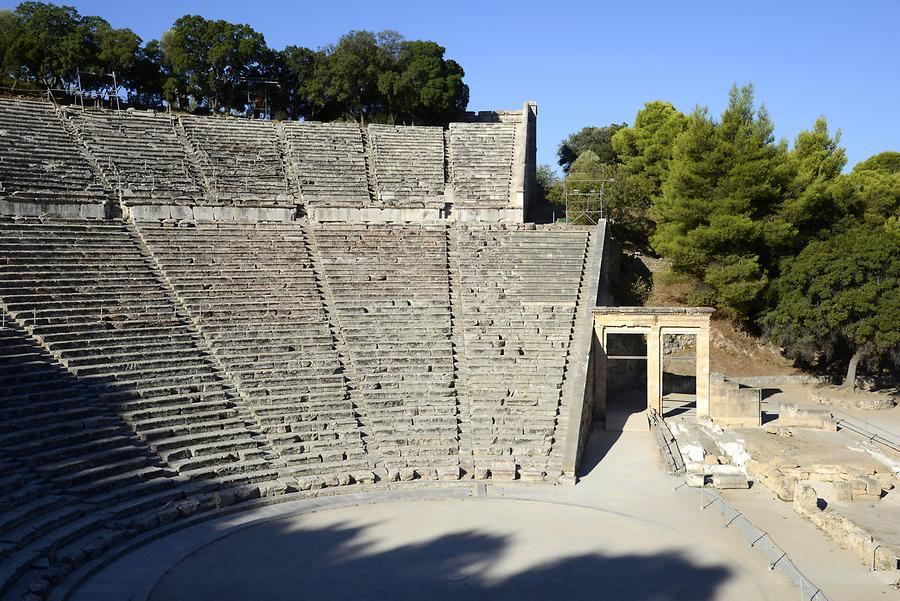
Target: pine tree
column 724, row 182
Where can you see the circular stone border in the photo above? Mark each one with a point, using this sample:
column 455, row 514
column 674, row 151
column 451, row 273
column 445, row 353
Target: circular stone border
column 180, row 543
column 64, row 590
column 841, row 398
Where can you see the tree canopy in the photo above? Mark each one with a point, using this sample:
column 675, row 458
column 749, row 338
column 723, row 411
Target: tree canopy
column 645, row 148
column 596, row 139
column 51, row 46
column 725, row 179
column 777, row 237
column 841, row 296
column 382, row 77
column 207, row 65
column 208, row 61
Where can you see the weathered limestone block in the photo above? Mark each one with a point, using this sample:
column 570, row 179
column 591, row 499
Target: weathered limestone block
column 503, row 470
column 843, row 490
column 568, row 479
column 847, row 534
column 790, row 415
column 733, row 480
column 783, row 486
column 532, row 475
column 732, row 404
column 363, row 477
column 310, row 482
column 482, row 473
column 836, row 396
column 695, row 479
column 449, row 473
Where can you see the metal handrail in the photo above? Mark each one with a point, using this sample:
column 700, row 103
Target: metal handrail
column 757, row 538
column 883, row 437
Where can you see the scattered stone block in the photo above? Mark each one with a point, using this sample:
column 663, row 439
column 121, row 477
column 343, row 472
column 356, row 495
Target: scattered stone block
column 773, row 478
column 806, row 500
column 695, row 479
column 842, row 490
column 873, row 487
column 725, row 481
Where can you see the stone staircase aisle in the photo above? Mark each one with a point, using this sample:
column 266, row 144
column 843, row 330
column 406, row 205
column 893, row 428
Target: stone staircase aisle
column 373, row 456
column 251, row 289
column 458, row 340
column 244, row 410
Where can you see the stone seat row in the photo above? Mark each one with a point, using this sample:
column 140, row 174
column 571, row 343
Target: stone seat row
column 240, row 159
column 139, row 153
column 281, row 302
column 408, row 161
column 40, row 161
column 276, row 403
column 150, row 158
column 516, row 349
column 409, row 300
column 76, row 467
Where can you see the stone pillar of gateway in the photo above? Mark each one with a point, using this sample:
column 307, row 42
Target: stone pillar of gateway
column 653, row 323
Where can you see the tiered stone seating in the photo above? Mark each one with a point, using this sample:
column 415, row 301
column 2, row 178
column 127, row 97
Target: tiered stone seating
column 240, row 159
column 391, row 291
column 408, row 164
column 481, row 157
column 39, row 160
column 141, row 155
column 252, row 289
column 69, row 463
column 330, row 162
column 519, row 290
column 94, row 300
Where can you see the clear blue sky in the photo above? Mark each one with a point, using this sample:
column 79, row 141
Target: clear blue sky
column 594, row 63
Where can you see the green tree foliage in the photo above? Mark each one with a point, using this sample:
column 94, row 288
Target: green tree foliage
column 885, row 162
column 348, row 76
column 211, row 59
column 380, row 77
column 422, row 87
column 296, row 67
column 871, row 192
column 644, row 151
column 596, row 139
column 213, row 65
column 624, row 197
column 148, row 76
column 645, row 148
column 809, row 208
column 840, row 298
column 546, row 179
column 763, row 230
column 47, row 46
column 725, row 180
